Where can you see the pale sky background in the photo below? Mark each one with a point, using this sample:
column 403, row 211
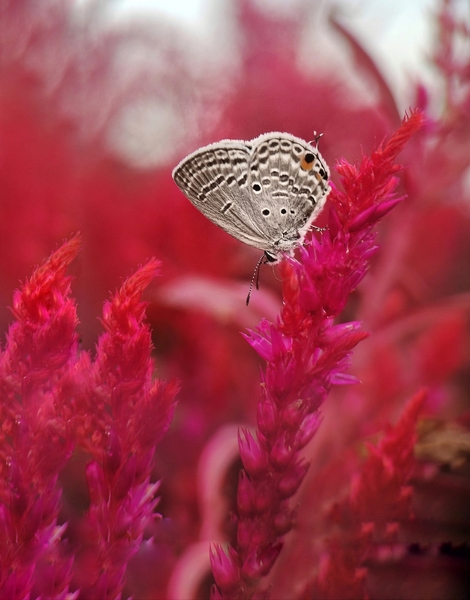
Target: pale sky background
column 397, row 34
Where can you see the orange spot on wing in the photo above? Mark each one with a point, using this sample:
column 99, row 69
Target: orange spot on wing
column 305, row 165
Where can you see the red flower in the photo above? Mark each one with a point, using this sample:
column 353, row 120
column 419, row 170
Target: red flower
column 121, row 414
column 38, row 440
column 379, row 500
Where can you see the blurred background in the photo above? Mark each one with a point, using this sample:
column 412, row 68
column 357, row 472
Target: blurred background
column 398, row 36
column 100, row 99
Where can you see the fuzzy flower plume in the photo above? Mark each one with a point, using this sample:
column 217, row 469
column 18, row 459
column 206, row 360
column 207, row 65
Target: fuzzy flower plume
column 123, row 413
column 379, row 501
column 36, row 439
column 55, row 398
column 306, row 353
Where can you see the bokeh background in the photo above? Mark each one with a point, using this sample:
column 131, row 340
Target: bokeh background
column 99, row 100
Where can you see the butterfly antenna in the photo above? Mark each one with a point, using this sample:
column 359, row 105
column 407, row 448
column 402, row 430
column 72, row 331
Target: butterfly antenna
column 316, row 138
column 255, row 277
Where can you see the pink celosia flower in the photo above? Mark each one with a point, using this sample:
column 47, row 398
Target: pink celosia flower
column 306, row 353
column 379, row 500
column 37, row 437
column 121, row 414
column 54, row 397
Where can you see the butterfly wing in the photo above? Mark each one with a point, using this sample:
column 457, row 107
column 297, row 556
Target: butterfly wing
column 289, row 183
column 215, row 180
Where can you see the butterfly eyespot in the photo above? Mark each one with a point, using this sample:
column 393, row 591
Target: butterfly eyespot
column 283, row 211
column 307, row 161
column 323, row 174
column 256, row 187
column 266, row 212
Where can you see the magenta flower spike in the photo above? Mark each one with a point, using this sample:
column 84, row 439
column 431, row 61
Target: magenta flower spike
column 306, row 353
column 123, row 413
column 37, row 438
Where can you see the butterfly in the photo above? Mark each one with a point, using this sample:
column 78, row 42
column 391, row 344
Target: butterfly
column 265, row 192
